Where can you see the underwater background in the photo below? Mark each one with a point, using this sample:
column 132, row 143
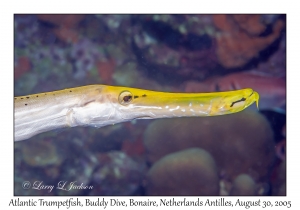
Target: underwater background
column 238, row 154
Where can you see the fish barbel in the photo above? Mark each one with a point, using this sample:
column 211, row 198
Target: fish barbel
column 100, row 105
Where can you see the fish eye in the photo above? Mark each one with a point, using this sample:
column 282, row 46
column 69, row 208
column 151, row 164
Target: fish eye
column 125, row 97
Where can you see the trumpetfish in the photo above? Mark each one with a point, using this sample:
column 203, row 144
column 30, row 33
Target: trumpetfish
column 101, row 105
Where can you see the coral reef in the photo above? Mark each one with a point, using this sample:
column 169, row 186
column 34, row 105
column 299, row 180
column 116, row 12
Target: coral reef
column 279, row 179
column 243, row 185
column 65, row 25
column 117, row 174
column 22, row 66
column 156, row 52
column 275, row 66
column 85, row 55
column 240, row 38
column 78, row 171
column 41, row 153
column 188, row 172
column 239, row 143
column 175, row 51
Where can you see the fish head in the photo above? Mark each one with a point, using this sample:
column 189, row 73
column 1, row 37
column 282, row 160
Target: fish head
column 132, row 103
column 236, row 101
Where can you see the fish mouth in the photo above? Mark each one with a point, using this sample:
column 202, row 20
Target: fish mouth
column 253, row 97
column 245, row 101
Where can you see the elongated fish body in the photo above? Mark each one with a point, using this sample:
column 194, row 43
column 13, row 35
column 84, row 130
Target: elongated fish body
column 100, row 105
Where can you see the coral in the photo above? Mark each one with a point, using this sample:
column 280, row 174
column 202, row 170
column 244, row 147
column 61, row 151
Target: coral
column 128, row 75
column 67, row 35
column 106, row 69
column 240, row 38
column 240, row 143
column 252, row 24
column 276, row 64
column 25, row 31
column 66, row 25
column 279, row 179
column 78, row 171
column 280, row 149
column 22, row 66
column 243, row 185
column 133, row 148
column 117, row 174
column 175, row 49
column 188, row 172
column 40, row 153
column 85, row 55
column 69, row 21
